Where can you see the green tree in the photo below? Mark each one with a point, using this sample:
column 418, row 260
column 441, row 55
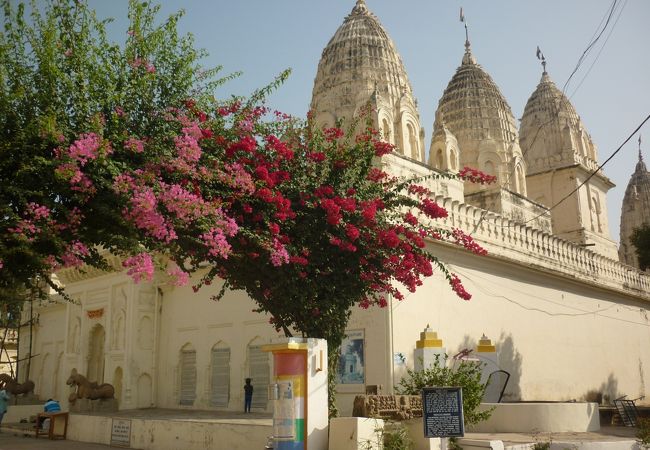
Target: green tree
column 60, row 77
column 641, row 240
column 466, row 374
column 133, row 157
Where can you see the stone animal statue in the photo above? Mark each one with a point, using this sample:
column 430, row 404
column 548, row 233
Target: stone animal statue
column 87, row 389
column 15, row 388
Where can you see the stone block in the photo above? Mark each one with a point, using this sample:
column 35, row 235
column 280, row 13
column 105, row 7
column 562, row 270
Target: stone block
column 100, row 405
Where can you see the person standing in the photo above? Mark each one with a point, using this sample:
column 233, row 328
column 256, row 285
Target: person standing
column 248, row 395
column 4, row 397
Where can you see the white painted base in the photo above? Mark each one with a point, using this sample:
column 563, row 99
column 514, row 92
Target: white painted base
column 174, row 434
column 352, row 433
column 539, row 417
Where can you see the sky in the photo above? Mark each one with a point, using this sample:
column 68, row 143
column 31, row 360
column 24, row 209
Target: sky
column 610, row 90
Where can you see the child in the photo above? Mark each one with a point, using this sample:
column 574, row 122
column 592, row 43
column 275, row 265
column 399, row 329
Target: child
column 248, row 395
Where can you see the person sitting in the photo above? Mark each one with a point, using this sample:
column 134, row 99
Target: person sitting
column 51, row 407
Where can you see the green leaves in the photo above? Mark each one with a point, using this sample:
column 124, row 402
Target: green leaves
column 466, row 374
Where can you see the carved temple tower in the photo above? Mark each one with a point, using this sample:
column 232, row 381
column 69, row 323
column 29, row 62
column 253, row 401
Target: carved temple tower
column 360, row 64
column 560, row 157
column 635, row 210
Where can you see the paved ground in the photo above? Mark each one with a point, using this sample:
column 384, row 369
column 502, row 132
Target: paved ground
column 12, row 436
column 10, row 441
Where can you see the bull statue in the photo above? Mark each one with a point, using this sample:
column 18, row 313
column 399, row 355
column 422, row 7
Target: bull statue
column 88, row 389
column 13, row 387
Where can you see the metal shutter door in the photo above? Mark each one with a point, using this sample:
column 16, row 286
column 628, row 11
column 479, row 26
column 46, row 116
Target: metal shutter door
column 188, row 377
column 220, row 392
column 260, row 375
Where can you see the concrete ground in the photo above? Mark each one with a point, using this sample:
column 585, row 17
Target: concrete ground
column 610, row 434
column 20, row 436
column 12, row 441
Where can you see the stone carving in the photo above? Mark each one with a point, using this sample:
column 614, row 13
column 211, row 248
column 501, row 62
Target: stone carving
column 87, row 389
column 15, row 388
column 393, row 407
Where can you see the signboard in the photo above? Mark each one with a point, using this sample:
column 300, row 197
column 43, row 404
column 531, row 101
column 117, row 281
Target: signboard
column 121, row 433
column 284, row 414
column 442, row 412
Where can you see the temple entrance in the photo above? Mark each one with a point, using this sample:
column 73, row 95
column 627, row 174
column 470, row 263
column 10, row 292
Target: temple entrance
column 96, row 354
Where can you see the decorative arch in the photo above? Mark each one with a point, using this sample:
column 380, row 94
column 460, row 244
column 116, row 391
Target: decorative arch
column 453, row 160
column 439, row 159
column 520, row 179
column 413, row 145
column 73, row 335
column 145, row 333
column 187, row 375
column 117, row 341
column 118, row 377
column 96, row 354
column 145, row 393
column 220, row 375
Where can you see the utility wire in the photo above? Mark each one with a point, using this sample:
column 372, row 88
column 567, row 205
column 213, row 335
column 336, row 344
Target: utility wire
column 591, row 44
column 602, row 47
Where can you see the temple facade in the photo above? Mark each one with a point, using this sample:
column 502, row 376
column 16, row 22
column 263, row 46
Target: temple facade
column 568, row 320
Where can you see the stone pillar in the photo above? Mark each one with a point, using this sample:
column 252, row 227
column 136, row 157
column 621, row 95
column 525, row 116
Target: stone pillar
column 487, row 354
column 428, row 350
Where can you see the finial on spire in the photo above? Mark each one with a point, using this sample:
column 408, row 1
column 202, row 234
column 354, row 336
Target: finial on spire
column 541, row 57
column 462, row 19
column 360, row 7
column 640, row 154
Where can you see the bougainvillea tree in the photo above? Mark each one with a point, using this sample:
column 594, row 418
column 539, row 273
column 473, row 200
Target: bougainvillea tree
column 301, row 219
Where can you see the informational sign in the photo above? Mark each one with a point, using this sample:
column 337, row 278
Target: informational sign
column 284, row 413
column 442, row 412
column 121, row 433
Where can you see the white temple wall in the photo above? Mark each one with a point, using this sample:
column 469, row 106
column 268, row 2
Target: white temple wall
column 560, row 340
column 193, row 320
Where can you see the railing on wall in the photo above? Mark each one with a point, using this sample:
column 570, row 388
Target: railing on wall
column 505, row 238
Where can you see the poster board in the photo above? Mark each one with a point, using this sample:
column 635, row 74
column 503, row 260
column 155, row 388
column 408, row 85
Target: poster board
column 351, row 372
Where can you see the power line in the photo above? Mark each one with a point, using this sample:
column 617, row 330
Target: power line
column 591, row 44
column 602, row 47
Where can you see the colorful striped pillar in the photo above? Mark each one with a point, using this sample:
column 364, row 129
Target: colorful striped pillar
column 300, row 383
column 290, row 373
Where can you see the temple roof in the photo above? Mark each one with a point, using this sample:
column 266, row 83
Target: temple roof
column 361, row 51
column 472, row 105
column 548, row 121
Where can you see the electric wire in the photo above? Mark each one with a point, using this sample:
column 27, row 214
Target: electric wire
column 591, row 44
column 602, row 47
column 489, row 293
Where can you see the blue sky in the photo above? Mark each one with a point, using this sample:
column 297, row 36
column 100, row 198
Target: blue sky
column 263, row 37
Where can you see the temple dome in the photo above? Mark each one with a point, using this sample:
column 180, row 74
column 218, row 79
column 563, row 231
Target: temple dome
column 474, row 110
column 635, row 210
column 552, row 134
column 360, row 64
